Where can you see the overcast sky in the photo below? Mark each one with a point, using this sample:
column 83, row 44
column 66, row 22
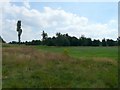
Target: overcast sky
column 97, row 20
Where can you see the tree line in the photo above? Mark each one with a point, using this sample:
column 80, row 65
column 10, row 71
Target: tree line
column 67, row 40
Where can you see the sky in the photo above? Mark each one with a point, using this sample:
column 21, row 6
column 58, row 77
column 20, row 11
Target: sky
column 96, row 20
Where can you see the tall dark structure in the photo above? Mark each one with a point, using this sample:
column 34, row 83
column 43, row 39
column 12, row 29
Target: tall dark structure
column 19, row 30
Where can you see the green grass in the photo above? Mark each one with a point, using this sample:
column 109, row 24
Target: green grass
column 84, row 52
column 61, row 67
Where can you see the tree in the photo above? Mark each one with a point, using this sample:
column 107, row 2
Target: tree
column 61, row 40
column 13, row 42
column 49, row 42
column 83, row 40
column 88, row 42
column 110, row 42
column 19, row 30
column 74, row 41
column 33, row 42
column 96, row 42
column 44, row 37
column 104, row 42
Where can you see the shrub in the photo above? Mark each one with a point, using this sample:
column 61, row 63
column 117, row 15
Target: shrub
column 66, row 52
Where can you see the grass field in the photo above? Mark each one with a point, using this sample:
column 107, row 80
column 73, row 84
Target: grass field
column 59, row 67
column 84, row 52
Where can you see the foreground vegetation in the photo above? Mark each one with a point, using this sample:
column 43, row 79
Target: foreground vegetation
column 61, row 67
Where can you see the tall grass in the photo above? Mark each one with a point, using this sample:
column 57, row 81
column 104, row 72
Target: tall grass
column 28, row 67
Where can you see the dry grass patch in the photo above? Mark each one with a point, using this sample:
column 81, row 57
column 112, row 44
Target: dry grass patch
column 29, row 53
column 105, row 60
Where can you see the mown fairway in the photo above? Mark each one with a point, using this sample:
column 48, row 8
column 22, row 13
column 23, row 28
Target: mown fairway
column 61, row 67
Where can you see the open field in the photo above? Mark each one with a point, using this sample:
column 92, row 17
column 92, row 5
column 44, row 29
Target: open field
column 84, row 52
column 61, row 67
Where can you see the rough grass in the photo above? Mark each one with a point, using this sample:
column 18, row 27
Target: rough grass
column 29, row 67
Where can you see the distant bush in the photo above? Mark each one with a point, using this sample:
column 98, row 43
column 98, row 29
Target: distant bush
column 66, row 52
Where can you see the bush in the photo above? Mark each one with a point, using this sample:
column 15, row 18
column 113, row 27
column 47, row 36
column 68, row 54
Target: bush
column 66, row 52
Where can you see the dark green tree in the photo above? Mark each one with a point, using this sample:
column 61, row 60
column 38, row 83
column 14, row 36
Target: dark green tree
column 110, row 42
column 50, row 41
column 96, row 42
column 88, row 41
column 44, row 37
column 74, row 41
column 104, row 42
column 61, row 40
column 19, row 30
column 83, row 40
